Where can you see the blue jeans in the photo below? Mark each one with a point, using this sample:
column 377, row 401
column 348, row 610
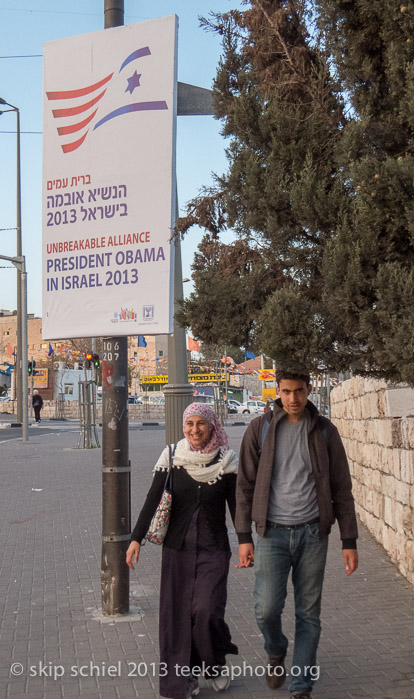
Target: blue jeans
column 276, row 553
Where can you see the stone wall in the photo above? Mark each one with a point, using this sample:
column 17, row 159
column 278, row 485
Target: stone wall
column 376, row 423
column 51, row 409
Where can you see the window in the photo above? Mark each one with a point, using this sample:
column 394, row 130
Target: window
column 160, row 353
column 68, row 389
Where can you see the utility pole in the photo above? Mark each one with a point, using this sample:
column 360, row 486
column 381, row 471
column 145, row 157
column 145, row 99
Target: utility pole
column 116, row 498
column 116, row 469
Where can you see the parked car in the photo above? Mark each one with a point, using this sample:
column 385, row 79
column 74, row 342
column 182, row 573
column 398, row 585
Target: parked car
column 233, row 406
column 158, row 401
column 251, row 406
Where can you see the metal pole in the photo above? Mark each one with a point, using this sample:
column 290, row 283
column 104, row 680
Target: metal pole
column 21, row 377
column 23, row 277
column 31, row 389
column 114, row 13
column 116, row 471
column 178, row 392
column 225, row 386
column 19, row 369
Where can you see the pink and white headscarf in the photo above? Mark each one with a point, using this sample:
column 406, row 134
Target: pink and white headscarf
column 217, row 437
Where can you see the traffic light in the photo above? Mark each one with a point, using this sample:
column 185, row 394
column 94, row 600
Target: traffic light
column 88, row 360
column 96, row 361
column 31, row 367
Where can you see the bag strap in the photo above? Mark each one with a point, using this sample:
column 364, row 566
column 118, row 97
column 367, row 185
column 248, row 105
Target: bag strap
column 169, row 479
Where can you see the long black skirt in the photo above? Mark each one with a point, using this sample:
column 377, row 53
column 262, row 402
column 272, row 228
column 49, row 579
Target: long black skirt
column 193, row 633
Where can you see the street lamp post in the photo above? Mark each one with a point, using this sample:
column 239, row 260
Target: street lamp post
column 20, row 264
column 20, row 378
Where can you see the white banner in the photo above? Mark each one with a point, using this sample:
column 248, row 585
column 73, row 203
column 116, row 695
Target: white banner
column 109, row 181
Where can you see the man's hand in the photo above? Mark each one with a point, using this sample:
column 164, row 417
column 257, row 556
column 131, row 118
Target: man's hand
column 133, row 553
column 246, row 556
column 350, row 559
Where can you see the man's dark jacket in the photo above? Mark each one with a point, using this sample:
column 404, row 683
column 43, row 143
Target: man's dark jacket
column 329, row 467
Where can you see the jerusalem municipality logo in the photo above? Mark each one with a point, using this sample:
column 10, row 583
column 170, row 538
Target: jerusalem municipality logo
column 79, row 107
column 125, row 315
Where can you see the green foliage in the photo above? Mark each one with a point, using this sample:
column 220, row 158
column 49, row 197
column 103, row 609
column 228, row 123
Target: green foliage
column 317, row 101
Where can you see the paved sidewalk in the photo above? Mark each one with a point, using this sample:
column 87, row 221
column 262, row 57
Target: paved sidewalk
column 54, row 640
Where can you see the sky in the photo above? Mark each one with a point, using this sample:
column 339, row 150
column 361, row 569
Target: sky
column 26, row 25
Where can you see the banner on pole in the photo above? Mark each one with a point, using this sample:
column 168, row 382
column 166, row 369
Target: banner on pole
column 109, row 181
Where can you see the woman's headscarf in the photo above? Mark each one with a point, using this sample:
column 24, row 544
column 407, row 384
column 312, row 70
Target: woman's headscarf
column 217, row 436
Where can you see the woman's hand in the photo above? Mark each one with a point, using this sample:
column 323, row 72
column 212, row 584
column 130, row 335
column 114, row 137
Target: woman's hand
column 132, row 553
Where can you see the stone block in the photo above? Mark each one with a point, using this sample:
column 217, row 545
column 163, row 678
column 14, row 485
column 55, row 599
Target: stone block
column 399, row 517
column 359, row 385
column 407, row 466
column 370, row 385
column 337, row 394
column 358, row 409
column 407, row 521
column 402, row 493
column 381, row 404
column 386, row 460
column 389, row 486
column 389, row 512
column 383, row 430
column 377, row 480
column 397, row 435
column 352, row 388
column 409, row 555
column 407, row 432
column 367, row 499
column 396, row 463
column 389, row 541
column 378, row 505
column 399, row 402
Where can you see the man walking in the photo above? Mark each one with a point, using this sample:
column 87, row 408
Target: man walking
column 293, row 482
column 37, row 403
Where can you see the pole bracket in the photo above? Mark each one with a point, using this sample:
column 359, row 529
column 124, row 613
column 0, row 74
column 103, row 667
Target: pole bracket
column 116, row 469
column 115, row 538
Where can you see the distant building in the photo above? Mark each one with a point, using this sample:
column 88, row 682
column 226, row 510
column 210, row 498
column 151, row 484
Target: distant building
column 151, row 359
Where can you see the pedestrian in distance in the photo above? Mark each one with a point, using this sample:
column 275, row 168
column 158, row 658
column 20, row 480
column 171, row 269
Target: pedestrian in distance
column 194, row 637
column 293, row 483
column 37, row 403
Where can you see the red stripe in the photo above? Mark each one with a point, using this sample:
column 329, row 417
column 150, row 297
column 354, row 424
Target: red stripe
column 62, row 130
column 69, row 147
column 72, row 111
column 68, row 94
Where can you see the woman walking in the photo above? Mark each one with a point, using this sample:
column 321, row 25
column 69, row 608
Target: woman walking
column 196, row 555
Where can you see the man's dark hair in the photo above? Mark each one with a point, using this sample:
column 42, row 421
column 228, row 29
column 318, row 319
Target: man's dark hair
column 291, row 376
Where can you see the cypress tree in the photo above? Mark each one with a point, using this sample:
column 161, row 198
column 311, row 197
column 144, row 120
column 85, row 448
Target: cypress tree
column 368, row 266
column 317, row 101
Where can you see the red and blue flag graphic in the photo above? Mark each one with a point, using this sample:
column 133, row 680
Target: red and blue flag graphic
column 79, row 113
